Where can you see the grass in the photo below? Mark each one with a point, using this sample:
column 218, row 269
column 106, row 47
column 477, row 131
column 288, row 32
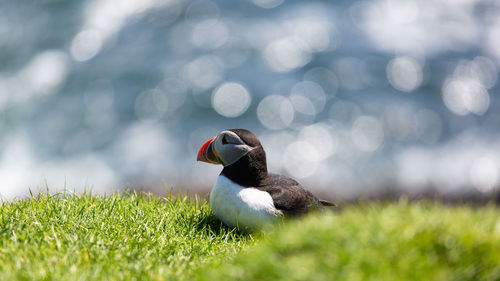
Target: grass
column 403, row 241
column 142, row 237
column 133, row 237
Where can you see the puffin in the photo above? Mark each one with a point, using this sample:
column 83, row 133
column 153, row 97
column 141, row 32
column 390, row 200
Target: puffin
column 245, row 195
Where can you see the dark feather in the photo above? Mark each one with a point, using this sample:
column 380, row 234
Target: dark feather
column 288, row 195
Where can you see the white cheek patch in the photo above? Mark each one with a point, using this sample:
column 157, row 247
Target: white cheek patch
column 234, row 153
column 230, row 153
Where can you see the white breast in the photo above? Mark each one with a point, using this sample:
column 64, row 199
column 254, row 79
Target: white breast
column 236, row 205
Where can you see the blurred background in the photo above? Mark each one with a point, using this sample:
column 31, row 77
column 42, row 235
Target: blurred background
column 351, row 98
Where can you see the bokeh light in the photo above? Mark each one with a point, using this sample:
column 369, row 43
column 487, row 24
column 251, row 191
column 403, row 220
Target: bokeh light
column 275, row 112
column 404, row 74
column 287, row 54
column 465, row 96
column 209, row 34
column 300, row 159
column 322, row 137
column 204, row 72
column 351, row 97
column 43, row 74
column 231, row 99
column 86, row 45
column 484, row 173
column 311, row 91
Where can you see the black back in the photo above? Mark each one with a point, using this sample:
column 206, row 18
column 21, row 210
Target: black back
column 251, row 171
column 288, row 195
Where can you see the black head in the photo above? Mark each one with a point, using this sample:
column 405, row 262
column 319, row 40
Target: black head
column 251, row 169
column 246, row 136
column 241, row 153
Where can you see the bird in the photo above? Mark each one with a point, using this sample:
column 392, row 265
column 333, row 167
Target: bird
column 245, row 195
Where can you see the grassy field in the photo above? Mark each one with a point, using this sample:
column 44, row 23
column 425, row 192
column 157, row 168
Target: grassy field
column 397, row 241
column 133, row 237
column 142, row 237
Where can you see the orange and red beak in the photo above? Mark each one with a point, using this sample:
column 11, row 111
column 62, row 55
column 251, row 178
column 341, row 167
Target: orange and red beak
column 207, row 153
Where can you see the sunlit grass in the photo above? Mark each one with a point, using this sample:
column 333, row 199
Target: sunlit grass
column 143, row 237
column 133, row 237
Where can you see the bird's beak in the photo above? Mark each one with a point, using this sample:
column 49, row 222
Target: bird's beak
column 207, row 153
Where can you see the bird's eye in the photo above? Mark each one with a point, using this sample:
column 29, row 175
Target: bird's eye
column 224, row 141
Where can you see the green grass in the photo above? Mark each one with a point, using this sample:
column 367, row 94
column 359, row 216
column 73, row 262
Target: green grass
column 134, row 237
column 142, row 237
column 417, row 241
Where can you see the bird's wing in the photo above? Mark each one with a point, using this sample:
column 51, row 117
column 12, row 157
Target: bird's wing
column 289, row 196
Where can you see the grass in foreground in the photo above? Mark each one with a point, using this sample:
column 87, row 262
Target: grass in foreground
column 142, row 237
column 134, row 237
column 399, row 241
